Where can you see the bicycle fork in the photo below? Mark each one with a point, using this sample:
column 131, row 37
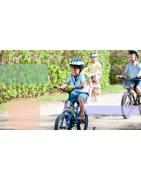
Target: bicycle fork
column 131, row 95
column 67, row 116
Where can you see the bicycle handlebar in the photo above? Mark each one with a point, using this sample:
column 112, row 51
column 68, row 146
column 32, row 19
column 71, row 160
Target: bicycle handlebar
column 139, row 77
column 130, row 79
column 121, row 78
column 90, row 74
column 56, row 88
column 66, row 90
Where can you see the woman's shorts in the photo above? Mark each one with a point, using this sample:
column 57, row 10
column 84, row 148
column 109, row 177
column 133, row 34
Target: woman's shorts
column 98, row 76
column 73, row 98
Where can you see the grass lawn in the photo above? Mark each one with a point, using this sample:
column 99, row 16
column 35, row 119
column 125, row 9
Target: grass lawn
column 113, row 88
column 3, row 106
column 64, row 96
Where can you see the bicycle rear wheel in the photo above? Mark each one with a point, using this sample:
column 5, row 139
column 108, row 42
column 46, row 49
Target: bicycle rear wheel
column 83, row 126
column 126, row 104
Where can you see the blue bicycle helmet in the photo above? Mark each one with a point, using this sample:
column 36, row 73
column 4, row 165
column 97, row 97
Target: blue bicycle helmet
column 77, row 63
column 93, row 54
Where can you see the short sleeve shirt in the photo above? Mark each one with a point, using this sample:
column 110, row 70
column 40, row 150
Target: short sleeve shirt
column 94, row 68
column 77, row 82
column 135, row 70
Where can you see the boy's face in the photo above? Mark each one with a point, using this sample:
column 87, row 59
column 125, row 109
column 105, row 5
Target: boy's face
column 75, row 71
column 132, row 57
column 93, row 59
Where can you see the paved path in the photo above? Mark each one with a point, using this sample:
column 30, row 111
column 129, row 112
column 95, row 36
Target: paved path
column 50, row 111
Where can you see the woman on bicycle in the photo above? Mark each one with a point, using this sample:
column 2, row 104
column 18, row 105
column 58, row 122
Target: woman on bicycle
column 95, row 68
column 77, row 79
column 134, row 68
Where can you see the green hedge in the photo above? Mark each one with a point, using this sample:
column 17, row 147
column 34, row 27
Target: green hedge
column 58, row 70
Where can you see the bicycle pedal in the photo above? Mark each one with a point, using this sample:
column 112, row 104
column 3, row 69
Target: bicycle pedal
column 81, row 121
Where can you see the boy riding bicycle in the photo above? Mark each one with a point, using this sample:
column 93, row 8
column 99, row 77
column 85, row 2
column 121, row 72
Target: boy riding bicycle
column 134, row 68
column 77, row 79
column 95, row 68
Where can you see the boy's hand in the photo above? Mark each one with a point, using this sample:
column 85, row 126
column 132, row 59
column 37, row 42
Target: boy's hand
column 80, row 87
column 63, row 86
column 59, row 87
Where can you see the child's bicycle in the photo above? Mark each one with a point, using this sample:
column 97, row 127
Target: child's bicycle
column 93, row 87
column 131, row 97
column 68, row 119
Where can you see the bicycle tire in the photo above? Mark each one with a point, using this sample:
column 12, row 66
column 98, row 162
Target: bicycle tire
column 58, row 120
column 139, row 103
column 97, row 96
column 123, row 104
column 79, row 126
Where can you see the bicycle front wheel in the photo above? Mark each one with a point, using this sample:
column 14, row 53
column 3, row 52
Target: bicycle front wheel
column 61, row 122
column 126, row 104
column 97, row 94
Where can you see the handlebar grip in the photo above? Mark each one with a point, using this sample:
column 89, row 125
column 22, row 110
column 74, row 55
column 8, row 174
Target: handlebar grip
column 121, row 78
column 55, row 87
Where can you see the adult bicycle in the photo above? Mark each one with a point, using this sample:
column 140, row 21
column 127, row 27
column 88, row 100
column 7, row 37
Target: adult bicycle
column 131, row 97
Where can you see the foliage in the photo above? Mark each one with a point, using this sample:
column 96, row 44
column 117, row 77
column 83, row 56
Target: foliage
column 23, row 74
column 106, row 66
column 57, row 62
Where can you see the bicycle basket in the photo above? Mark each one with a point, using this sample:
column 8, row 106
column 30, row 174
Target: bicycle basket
column 127, row 84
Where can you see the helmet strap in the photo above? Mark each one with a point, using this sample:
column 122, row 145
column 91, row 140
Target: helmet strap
column 134, row 60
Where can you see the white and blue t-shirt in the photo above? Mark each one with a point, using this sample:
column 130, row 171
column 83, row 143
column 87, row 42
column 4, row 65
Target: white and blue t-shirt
column 77, row 82
column 135, row 70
